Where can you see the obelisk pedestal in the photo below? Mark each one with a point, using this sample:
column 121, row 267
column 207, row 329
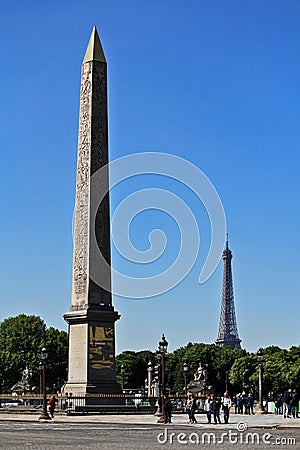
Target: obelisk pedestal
column 92, row 316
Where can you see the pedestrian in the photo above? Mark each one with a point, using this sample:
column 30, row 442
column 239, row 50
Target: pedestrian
column 188, row 407
column 194, row 407
column 286, row 403
column 207, row 408
column 215, row 406
column 51, row 404
column 249, row 404
column 239, row 402
column 278, row 404
column 226, row 404
column 294, row 402
column 234, row 403
column 167, row 409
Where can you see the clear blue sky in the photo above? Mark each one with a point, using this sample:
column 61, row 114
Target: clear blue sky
column 214, row 82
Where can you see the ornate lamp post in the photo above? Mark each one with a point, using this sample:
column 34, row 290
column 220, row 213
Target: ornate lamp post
column 162, row 350
column 149, row 381
column 260, row 360
column 185, row 371
column 44, row 357
column 41, row 367
column 122, row 375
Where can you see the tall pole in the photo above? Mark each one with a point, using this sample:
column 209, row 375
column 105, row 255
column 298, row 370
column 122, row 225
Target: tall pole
column 162, row 349
column 41, row 367
column 122, row 375
column 162, row 382
column 149, row 381
column 44, row 415
column 260, row 385
column 185, row 370
column 260, row 360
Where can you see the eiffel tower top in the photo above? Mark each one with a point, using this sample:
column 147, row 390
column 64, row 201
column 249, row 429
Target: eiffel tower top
column 94, row 50
column 227, row 253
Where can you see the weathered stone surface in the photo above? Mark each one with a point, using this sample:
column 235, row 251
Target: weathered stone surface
column 92, row 317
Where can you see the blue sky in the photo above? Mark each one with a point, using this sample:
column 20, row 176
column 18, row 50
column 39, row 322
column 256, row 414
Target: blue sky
column 214, row 82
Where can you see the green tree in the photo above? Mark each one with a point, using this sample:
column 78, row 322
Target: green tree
column 136, row 365
column 243, row 374
column 56, row 343
column 21, row 340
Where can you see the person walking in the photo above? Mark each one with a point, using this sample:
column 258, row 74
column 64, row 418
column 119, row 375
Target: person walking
column 207, row 408
column 249, row 404
column 194, row 407
column 215, row 406
column 188, row 407
column 226, row 404
column 278, row 404
column 52, row 403
column 286, row 400
column 294, row 402
column 239, row 402
column 167, row 409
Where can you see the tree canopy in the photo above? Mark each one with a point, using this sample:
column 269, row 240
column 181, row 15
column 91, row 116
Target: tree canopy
column 21, row 341
column 23, row 337
column 235, row 369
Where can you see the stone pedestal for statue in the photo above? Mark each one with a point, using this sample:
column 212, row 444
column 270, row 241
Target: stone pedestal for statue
column 199, row 386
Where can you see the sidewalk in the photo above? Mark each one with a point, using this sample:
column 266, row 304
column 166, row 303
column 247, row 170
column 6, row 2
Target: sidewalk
column 235, row 421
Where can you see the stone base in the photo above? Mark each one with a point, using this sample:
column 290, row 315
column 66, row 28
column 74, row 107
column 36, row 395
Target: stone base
column 88, row 388
column 197, row 388
column 92, row 352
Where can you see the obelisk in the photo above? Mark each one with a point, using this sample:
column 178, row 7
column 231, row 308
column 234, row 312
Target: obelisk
column 92, row 316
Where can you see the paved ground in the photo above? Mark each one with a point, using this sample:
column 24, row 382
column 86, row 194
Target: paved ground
column 257, row 420
column 141, row 432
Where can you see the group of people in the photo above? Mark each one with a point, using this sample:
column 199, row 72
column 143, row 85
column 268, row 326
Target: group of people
column 243, row 404
column 288, row 404
column 213, row 404
column 212, row 407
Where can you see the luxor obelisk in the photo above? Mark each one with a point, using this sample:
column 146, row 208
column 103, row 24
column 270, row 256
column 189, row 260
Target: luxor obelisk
column 92, row 316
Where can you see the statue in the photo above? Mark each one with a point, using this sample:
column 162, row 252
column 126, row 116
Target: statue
column 26, row 385
column 201, row 374
column 199, row 386
column 26, row 375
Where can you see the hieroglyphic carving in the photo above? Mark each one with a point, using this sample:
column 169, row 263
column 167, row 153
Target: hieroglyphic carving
column 101, row 349
column 92, row 155
column 81, row 219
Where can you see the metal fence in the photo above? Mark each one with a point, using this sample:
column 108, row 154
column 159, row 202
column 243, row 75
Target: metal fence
column 129, row 403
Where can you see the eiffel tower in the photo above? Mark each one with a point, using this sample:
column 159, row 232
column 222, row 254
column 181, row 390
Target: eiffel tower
column 228, row 333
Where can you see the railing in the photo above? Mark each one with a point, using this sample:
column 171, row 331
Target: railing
column 119, row 404
column 129, row 403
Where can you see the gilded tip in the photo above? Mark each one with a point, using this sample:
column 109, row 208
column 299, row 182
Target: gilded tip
column 94, row 50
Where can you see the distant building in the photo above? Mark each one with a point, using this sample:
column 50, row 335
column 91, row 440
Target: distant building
column 228, row 333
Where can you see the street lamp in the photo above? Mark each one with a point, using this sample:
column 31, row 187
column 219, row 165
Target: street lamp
column 185, row 371
column 149, row 381
column 162, row 350
column 260, row 360
column 42, row 367
column 122, row 375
